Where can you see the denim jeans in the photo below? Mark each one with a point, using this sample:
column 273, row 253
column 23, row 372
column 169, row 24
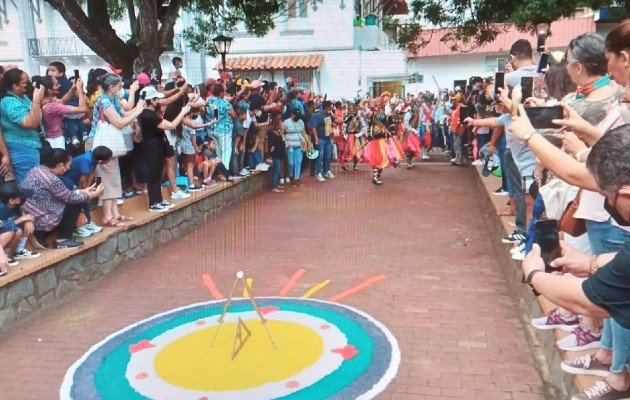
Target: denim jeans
column 482, row 140
column 275, row 176
column 450, row 142
column 23, row 159
column 501, row 148
column 325, row 154
column 605, row 237
column 74, row 127
column 514, row 179
column 253, row 159
column 294, row 159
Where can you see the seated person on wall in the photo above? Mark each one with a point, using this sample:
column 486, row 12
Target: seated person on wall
column 10, row 232
column 55, row 207
column 17, row 225
column 210, row 163
column 81, row 176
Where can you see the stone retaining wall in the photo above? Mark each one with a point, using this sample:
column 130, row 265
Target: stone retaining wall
column 23, row 296
column 557, row 384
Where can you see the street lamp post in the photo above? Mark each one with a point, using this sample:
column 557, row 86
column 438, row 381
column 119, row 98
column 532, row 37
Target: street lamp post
column 543, row 31
column 222, row 46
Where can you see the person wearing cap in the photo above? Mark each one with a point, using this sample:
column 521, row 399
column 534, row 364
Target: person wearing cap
column 151, row 149
column 15, row 227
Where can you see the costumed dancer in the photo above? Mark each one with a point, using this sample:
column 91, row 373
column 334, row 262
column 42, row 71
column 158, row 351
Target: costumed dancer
column 383, row 150
column 354, row 143
column 410, row 141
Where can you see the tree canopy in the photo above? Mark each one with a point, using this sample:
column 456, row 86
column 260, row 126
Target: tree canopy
column 152, row 25
column 477, row 22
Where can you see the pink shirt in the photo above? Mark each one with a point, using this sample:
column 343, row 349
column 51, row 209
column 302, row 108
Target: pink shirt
column 52, row 116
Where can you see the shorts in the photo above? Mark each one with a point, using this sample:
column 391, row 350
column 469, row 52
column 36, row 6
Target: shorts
column 189, row 158
column 169, row 150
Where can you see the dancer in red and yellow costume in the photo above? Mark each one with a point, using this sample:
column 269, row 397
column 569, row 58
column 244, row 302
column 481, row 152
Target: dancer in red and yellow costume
column 410, row 140
column 383, row 150
column 356, row 129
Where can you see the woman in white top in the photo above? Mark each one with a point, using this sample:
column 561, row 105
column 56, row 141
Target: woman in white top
column 294, row 134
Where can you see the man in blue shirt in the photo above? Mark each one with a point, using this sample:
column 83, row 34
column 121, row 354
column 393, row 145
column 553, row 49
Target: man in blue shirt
column 80, row 176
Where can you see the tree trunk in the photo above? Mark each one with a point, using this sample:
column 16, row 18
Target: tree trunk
column 97, row 35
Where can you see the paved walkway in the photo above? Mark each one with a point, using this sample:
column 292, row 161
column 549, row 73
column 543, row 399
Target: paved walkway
column 445, row 297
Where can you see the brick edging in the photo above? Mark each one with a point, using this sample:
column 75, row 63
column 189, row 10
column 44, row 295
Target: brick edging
column 547, row 358
column 22, row 297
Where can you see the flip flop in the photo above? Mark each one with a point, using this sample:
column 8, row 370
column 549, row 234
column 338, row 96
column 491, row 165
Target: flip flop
column 124, row 218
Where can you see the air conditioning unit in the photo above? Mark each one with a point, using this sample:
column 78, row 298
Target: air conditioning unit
column 416, row 78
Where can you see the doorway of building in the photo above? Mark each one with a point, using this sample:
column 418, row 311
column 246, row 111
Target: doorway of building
column 393, row 87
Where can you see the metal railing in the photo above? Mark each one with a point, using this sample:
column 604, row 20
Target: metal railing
column 73, row 46
column 373, row 38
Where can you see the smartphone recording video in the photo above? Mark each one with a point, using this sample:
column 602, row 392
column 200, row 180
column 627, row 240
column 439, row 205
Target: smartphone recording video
column 527, row 87
column 143, row 95
column 464, row 112
column 541, row 117
column 546, row 234
column 501, row 63
column 543, row 63
column 98, row 180
column 499, row 82
column 76, row 74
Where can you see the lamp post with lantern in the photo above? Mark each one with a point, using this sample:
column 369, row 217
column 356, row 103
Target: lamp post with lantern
column 222, row 46
column 542, row 30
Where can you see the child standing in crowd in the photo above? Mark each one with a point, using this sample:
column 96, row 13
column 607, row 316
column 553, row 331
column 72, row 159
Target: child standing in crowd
column 188, row 146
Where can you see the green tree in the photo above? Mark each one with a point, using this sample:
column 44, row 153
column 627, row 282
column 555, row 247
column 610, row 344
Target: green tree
column 473, row 23
column 152, row 22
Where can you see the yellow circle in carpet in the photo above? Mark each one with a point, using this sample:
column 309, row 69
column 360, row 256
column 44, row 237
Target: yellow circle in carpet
column 191, row 363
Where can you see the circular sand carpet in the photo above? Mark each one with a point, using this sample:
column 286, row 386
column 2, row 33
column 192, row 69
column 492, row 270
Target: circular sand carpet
column 307, row 349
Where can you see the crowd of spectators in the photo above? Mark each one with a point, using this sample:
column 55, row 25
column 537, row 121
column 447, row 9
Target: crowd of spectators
column 567, row 176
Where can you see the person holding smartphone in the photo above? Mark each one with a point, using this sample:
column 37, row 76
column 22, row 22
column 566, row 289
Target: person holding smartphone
column 152, row 145
column 521, row 63
column 222, row 130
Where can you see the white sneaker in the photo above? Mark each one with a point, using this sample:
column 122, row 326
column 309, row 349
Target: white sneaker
column 24, row 254
column 329, row 175
column 245, row 172
column 179, row 195
column 262, row 167
column 477, row 162
column 157, row 207
column 167, row 205
column 426, row 157
column 93, row 227
column 288, row 180
column 320, row 178
column 581, row 339
column 75, row 141
column 519, row 255
column 282, row 181
column 83, row 232
column 120, row 201
column 453, row 160
column 518, row 248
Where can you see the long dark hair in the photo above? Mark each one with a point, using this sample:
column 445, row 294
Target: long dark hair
column 10, row 78
column 559, row 82
column 92, row 84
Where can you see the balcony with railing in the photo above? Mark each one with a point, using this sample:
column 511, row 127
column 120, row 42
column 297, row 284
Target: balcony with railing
column 73, row 46
column 373, row 38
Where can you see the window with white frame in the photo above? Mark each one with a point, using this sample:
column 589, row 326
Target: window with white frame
column 297, row 8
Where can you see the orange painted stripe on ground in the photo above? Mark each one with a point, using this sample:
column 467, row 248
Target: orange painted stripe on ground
column 207, row 280
column 358, row 288
column 294, row 279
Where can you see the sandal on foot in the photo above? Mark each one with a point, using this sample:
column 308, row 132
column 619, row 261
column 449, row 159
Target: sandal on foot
column 124, row 218
column 506, row 213
column 114, row 223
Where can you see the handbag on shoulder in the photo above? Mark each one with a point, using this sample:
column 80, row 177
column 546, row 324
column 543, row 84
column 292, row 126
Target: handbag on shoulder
column 568, row 223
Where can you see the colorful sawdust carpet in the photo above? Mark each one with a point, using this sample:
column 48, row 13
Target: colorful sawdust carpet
column 324, row 351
